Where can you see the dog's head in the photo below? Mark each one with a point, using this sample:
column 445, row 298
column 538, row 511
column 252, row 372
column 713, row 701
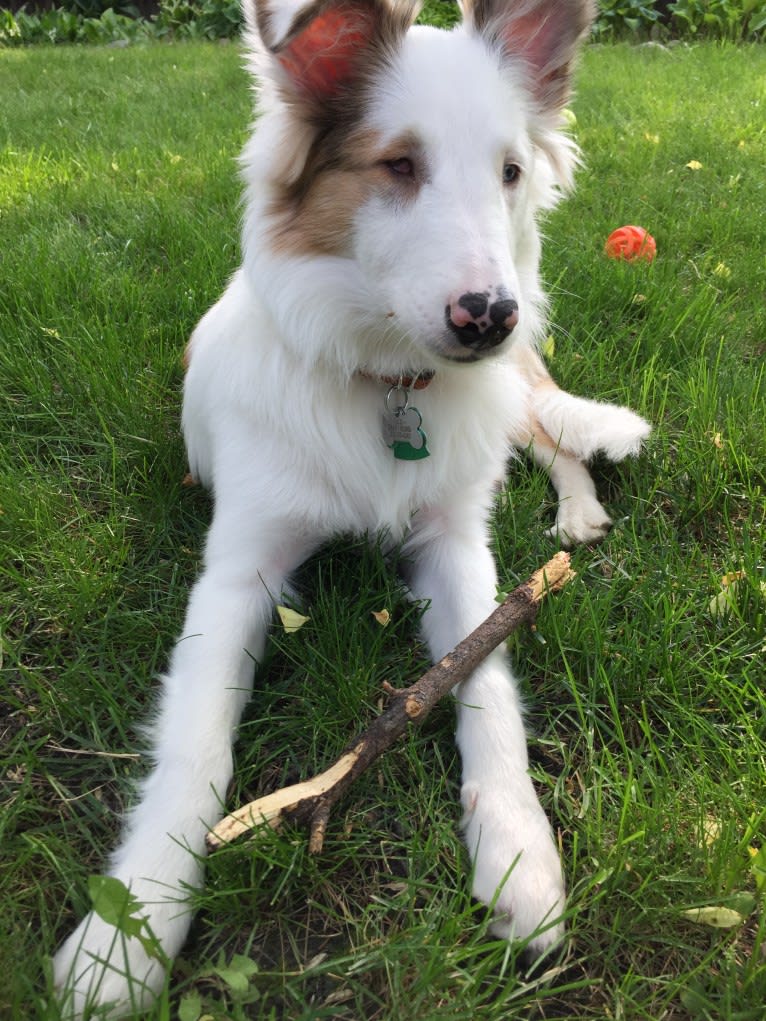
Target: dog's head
column 413, row 162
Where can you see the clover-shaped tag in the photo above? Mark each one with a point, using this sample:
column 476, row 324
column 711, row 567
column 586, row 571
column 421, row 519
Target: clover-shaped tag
column 402, row 432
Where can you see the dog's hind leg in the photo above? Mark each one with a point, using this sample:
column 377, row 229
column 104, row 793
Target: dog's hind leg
column 207, row 685
column 516, row 867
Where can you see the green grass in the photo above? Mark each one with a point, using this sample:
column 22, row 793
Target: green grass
column 118, row 227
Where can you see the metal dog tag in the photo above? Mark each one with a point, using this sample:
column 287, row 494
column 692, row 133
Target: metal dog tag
column 401, row 427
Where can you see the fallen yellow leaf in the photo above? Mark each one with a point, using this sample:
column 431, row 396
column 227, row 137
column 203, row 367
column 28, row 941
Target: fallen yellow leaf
column 694, row 165
column 291, row 620
column 721, row 605
column 711, row 830
column 724, row 602
column 382, row 617
column 717, row 916
column 548, row 347
column 731, row 577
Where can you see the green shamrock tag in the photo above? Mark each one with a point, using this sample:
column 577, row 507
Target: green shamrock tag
column 401, row 429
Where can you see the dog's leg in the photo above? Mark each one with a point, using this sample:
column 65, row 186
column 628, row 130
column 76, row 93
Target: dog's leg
column 580, row 517
column 516, row 867
column 584, row 428
column 206, row 687
column 563, row 432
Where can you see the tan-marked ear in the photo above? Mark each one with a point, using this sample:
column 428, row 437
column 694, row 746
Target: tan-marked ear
column 545, row 34
column 323, row 47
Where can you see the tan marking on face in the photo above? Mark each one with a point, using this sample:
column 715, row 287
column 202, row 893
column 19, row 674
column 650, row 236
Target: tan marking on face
column 316, row 214
column 321, row 222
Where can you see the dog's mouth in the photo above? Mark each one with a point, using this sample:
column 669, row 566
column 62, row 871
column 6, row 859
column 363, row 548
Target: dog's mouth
column 458, row 358
column 442, row 350
column 449, row 349
column 476, row 327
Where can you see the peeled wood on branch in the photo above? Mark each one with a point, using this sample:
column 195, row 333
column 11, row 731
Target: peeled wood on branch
column 311, row 801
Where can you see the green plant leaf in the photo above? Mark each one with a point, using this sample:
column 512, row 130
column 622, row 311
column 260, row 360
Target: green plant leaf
column 235, row 980
column 743, row 902
column 115, row 904
column 190, row 1007
column 758, row 867
column 246, row 965
column 695, row 1001
column 237, row 973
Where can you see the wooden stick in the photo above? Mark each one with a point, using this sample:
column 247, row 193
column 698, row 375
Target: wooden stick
column 312, row 801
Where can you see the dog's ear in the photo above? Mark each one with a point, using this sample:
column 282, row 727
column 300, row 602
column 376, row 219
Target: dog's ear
column 322, row 48
column 544, row 34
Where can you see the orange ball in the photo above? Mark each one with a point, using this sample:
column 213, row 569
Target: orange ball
column 630, row 243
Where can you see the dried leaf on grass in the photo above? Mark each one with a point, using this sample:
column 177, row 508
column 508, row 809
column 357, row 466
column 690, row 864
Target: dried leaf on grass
column 715, row 915
column 291, row 620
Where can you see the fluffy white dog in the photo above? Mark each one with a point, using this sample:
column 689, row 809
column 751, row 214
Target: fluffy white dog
column 367, row 370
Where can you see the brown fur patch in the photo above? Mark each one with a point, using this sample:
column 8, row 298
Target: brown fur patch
column 531, row 366
column 314, row 215
column 535, row 371
column 326, row 90
column 320, row 222
column 540, row 438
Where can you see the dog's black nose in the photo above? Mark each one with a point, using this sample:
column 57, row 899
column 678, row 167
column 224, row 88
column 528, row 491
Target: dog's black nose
column 480, row 323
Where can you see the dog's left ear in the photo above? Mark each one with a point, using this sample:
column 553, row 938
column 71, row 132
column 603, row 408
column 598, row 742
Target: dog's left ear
column 544, row 34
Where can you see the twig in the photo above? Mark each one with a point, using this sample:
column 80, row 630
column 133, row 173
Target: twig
column 312, row 801
column 91, row 752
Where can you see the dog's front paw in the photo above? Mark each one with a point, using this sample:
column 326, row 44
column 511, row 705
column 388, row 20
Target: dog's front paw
column 99, row 967
column 583, row 428
column 516, row 867
column 580, row 520
column 618, row 432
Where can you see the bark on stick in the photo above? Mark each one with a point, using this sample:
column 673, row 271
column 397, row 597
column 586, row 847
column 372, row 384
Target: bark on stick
column 311, row 801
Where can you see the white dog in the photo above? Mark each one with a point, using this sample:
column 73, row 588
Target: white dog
column 367, row 370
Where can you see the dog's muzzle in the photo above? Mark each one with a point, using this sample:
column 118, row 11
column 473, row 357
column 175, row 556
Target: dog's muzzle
column 480, row 323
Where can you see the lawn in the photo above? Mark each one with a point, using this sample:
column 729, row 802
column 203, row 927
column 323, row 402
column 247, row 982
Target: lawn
column 644, row 678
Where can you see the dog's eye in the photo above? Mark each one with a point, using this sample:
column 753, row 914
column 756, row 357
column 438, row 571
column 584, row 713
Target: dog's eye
column 511, row 173
column 402, row 167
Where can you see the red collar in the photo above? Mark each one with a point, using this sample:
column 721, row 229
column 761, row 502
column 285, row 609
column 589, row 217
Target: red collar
column 410, row 382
